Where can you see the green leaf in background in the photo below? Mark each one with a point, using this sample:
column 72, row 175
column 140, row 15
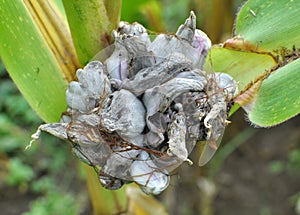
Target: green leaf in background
column 273, row 26
column 20, row 173
column 270, row 24
column 54, row 203
column 37, row 55
column 91, row 25
column 278, row 98
column 149, row 13
column 131, row 10
column 268, row 40
column 245, row 67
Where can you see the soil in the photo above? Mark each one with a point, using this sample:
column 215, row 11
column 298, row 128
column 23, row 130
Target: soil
column 12, row 201
column 246, row 184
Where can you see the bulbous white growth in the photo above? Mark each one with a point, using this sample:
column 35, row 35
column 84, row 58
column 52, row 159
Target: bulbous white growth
column 226, row 82
column 145, row 173
column 138, row 115
column 124, row 113
column 92, row 85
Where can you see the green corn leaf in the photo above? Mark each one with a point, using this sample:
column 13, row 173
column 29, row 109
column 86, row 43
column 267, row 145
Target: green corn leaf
column 278, row 98
column 273, row 26
column 269, row 24
column 39, row 58
column 245, row 67
column 261, row 57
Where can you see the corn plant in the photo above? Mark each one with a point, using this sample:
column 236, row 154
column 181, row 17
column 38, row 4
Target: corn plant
column 42, row 43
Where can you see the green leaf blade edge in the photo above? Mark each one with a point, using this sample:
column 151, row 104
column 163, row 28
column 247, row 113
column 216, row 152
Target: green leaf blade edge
column 30, row 62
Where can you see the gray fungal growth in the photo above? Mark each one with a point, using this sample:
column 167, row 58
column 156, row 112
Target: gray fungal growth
column 136, row 116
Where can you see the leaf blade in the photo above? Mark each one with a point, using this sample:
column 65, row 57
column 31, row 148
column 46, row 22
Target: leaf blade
column 278, row 98
column 266, row 28
column 30, row 62
column 244, row 67
column 269, row 24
